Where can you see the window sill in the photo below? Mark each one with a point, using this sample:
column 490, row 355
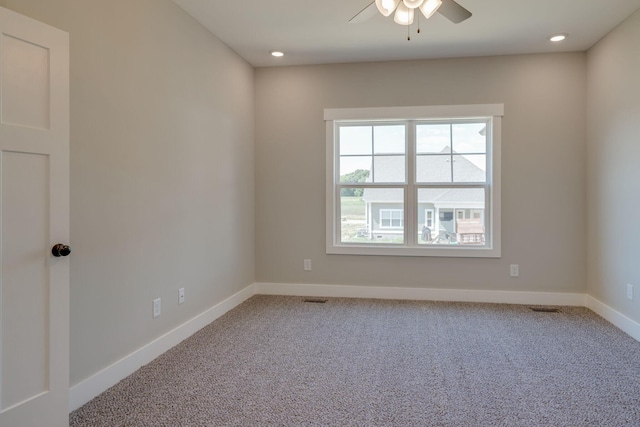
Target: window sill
column 439, row 251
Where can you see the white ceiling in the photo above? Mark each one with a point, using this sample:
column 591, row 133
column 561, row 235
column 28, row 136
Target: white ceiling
column 316, row 32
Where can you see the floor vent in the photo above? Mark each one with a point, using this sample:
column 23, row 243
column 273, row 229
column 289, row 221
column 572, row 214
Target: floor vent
column 316, row 301
column 545, row 310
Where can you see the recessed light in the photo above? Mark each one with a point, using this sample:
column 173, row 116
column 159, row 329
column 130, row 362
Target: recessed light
column 277, row 53
column 557, row 37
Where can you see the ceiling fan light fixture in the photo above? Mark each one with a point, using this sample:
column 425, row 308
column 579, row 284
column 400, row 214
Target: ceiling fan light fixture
column 429, row 7
column 404, row 15
column 405, row 11
column 413, row 4
column 386, row 7
column 558, row 37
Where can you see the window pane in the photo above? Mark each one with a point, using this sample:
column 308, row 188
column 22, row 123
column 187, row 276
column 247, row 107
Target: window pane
column 389, row 169
column 356, row 140
column 433, row 139
column 353, row 215
column 372, row 215
column 458, row 216
column 469, row 138
column 355, row 169
column 389, row 139
column 471, row 168
column 434, row 168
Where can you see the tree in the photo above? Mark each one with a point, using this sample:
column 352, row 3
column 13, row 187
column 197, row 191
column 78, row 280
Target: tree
column 358, row 175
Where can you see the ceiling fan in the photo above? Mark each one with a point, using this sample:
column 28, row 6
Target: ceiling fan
column 405, row 10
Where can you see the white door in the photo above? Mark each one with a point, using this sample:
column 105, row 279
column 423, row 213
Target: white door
column 428, row 219
column 34, row 215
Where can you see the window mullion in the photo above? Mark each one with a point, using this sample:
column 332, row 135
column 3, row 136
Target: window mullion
column 451, row 148
column 488, row 212
column 337, row 214
column 411, row 194
column 373, row 157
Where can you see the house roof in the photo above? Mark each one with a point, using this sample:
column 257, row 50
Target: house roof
column 427, row 195
column 429, row 168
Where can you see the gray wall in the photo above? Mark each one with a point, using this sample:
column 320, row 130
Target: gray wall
column 543, row 163
column 162, row 171
column 614, row 167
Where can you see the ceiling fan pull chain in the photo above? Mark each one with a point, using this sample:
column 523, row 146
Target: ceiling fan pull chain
column 408, row 32
column 418, row 15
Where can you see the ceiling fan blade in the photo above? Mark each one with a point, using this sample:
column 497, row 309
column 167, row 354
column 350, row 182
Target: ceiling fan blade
column 365, row 14
column 453, row 11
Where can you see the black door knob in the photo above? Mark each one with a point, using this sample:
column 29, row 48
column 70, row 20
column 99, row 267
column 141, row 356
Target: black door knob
column 59, row 250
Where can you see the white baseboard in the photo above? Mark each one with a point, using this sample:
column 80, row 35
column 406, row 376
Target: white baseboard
column 459, row 295
column 86, row 390
column 623, row 322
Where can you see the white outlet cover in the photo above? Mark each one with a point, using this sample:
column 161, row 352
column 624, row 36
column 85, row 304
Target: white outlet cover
column 156, row 307
column 180, row 295
column 307, row 265
column 514, row 270
column 630, row 291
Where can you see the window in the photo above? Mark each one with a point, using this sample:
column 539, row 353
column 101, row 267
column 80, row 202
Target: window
column 391, row 218
column 417, row 181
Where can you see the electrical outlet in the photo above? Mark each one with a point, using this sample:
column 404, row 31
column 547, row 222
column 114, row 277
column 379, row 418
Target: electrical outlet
column 630, row 291
column 156, row 307
column 307, row 265
column 514, row 270
column 180, row 295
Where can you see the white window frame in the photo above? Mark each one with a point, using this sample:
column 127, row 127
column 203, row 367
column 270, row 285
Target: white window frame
column 492, row 247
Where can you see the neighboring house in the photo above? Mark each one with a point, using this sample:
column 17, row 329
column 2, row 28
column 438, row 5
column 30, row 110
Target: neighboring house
column 443, row 211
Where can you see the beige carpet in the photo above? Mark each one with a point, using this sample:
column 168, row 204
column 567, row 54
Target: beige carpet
column 280, row 361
